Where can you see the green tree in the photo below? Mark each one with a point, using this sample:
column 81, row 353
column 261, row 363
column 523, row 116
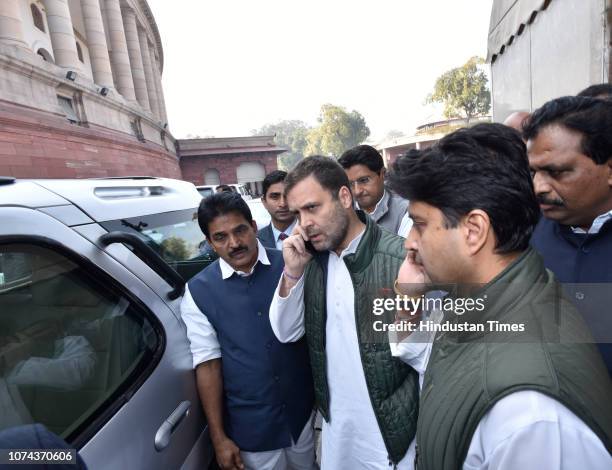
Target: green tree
column 463, row 90
column 338, row 130
column 290, row 134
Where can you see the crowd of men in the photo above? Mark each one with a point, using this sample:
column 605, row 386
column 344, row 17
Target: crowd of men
column 280, row 326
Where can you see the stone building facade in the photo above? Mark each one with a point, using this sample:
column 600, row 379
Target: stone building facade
column 81, row 92
column 229, row 160
column 543, row 49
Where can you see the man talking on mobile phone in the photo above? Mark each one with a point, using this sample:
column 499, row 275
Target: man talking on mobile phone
column 336, row 261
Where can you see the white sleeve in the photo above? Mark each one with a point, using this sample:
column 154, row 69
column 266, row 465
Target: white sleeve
column 287, row 313
column 531, row 431
column 415, row 349
column 202, row 336
column 405, row 226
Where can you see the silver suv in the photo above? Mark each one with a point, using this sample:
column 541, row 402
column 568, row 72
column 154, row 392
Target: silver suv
column 91, row 340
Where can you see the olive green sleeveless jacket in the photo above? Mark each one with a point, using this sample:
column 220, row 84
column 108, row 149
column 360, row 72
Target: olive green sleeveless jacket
column 468, row 373
column 392, row 384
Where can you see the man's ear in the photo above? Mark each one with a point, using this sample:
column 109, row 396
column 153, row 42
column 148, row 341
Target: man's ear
column 345, row 196
column 476, row 229
column 254, row 225
column 610, row 172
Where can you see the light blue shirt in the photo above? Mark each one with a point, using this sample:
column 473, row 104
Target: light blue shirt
column 277, row 233
column 596, row 225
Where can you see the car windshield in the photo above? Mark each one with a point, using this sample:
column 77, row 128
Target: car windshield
column 175, row 236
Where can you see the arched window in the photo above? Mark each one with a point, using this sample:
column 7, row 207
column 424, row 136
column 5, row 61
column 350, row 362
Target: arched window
column 212, row 177
column 80, row 52
column 37, row 17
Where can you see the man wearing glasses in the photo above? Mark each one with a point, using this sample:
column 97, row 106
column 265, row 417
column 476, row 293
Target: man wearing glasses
column 366, row 172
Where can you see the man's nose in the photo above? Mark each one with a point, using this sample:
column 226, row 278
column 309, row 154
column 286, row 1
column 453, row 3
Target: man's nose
column 282, row 202
column 305, row 221
column 540, row 183
column 410, row 243
column 233, row 241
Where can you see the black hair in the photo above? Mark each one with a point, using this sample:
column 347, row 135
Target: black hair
column 590, row 117
column 482, row 167
column 221, row 204
column 325, row 170
column 362, row 155
column 277, row 176
column 601, row 90
column 223, row 188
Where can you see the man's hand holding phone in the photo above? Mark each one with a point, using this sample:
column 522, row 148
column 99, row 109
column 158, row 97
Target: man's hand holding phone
column 297, row 252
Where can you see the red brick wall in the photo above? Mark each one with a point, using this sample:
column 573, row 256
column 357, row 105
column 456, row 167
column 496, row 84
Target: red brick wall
column 35, row 144
column 193, row 168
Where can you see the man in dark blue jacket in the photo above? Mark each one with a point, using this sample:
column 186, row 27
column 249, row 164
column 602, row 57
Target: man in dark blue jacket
column 569, row 142
column 256, row 392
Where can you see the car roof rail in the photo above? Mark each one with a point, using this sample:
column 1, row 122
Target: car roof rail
column 6, row 180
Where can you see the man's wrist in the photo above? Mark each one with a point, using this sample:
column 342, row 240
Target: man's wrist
column 217, row 437
column 292, row 276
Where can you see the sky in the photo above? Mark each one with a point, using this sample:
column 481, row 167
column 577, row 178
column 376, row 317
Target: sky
column 232, row 66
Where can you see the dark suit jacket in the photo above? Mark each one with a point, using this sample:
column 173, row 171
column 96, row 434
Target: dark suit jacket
column 266, row 236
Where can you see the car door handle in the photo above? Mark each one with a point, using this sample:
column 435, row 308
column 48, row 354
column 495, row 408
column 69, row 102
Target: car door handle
column 165, row 431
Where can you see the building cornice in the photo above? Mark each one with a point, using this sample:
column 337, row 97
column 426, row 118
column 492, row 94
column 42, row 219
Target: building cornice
column 42, row 72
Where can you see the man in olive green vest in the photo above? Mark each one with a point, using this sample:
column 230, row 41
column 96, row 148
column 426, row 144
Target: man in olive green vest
column 336, row 262
column 514, row 382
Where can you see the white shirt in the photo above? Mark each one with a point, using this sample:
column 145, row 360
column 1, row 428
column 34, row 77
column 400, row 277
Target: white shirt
column 202, row 336
column 405, row 226
column 352, row 438
column 276, row 232
column 525, row 430
column 596, row 225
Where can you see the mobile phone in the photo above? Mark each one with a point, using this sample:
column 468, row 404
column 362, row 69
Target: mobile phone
column 309, row 247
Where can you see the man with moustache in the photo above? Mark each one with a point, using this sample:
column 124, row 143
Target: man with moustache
column 569, row 143
column 282, row 220
column 365, row 169
column 536, row 399
column 256, row 392
column 336, row 263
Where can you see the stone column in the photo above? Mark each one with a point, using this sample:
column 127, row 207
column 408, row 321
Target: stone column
column 11, row 32
column 150, row 79
column 96, row 41
column 133, row 44
column 62, row 34
column 119, row 51
column 160, row 91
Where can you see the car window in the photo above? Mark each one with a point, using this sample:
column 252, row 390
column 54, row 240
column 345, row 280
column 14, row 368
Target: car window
column 176, row 236
column 69, row 345
column 205, row 192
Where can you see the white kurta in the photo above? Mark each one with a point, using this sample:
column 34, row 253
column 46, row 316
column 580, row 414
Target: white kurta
column 525, row 430
column 352, row 438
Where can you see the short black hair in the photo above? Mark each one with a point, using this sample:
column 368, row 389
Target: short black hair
column 223, row 188
column 325, row 170
column 590, row 117
column 362, row 155
column 221, row 204
column 277, row 176
column 601, row 90
column 481, row 167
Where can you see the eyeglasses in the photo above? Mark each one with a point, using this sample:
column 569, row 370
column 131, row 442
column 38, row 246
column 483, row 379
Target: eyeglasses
column 363, row 181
